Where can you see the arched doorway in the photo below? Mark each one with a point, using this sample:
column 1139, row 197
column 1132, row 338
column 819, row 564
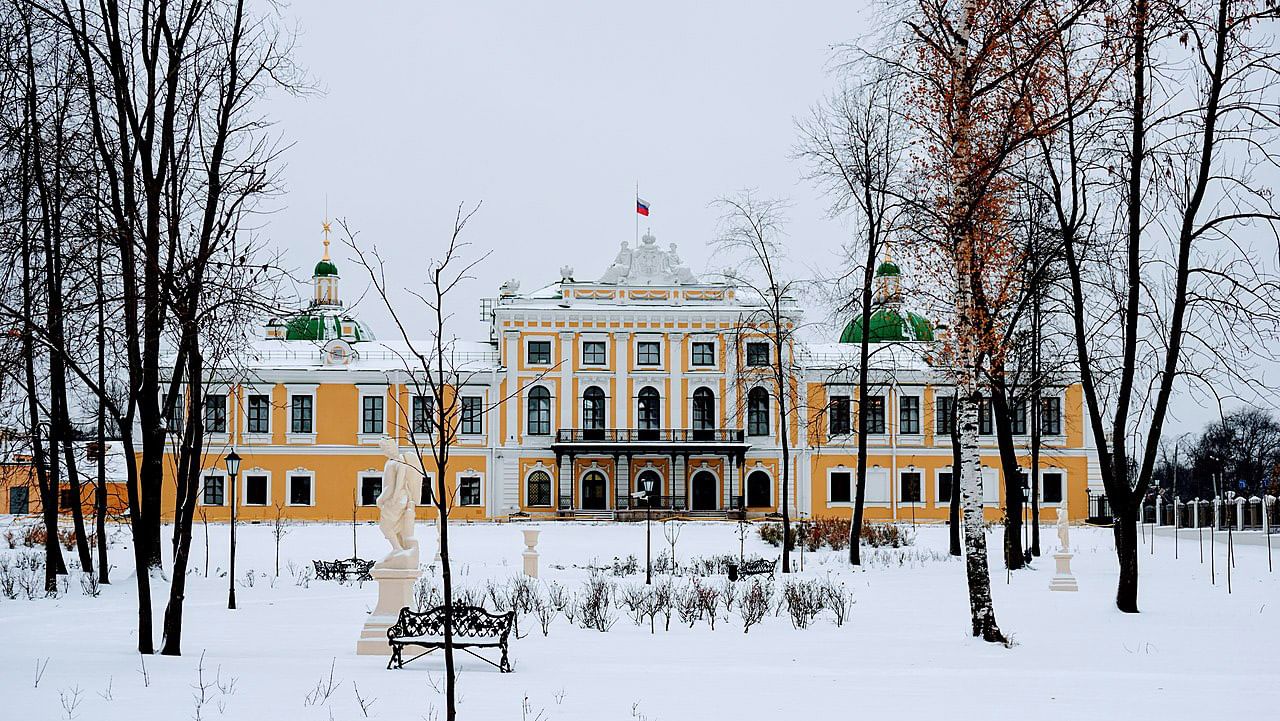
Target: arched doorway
column 594, row 491
column 702, row 491
column 657, row 486
column 758, row 489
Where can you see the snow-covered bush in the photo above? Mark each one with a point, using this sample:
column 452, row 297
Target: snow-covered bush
column 755, row 603
column 803, row 601
column 596, row 604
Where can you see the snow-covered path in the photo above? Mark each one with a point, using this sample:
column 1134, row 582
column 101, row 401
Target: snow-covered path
column 1194, row 651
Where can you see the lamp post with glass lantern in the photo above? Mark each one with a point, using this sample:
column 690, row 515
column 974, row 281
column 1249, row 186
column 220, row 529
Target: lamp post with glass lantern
column 648, row 485
column 233, row 470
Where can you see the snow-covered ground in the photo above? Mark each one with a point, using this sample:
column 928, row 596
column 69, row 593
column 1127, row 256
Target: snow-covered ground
column 1194, row 652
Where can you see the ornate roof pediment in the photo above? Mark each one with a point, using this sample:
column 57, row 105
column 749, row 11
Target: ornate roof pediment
column 648, row 264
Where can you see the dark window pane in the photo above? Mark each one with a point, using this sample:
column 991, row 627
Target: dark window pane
column 1052, row 488
column 301, row 415
column 371, row 414
column 255, row 490
column 1051, row 416
column 840, row 487
column 215, row 413
column 214, row 488
column 422, row 407
column 1018, row 418
column 19, row 500
column 593, row 352
column 875, row 414
column 758, row 489
column 704, row 409
column 985, row 420
column 259, row 415
column 839, row 415
column 911, row 491
column 593, row 410
column 704, row 354
column 758, row 412
column 944, row 409
column 757, row 354
column 539, row 489
column 648, row 410
column 66, row 499
column 539, row 352
column 649, row 353
column 472, row 415
column 300, row 490
column 909, row 414
column 428, row 495
column 173, row 411
column 370, row 489
column 539, row 411
column 469, row 491
column 944, row 487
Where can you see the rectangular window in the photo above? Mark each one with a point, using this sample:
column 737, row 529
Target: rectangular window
column 370, row 489
column 19, row 500
column 301, row 414
column 944, row 408
column 66, row 499
column 839, row 415
column 428, row 496
column 840, row 484
column 371, row 415
column 910, row 491
column 1051, row 416
column 1052, row 488
column 300, row 490
column 649, row 353
column 1018, row 418
column 909, row 415
column 704, row 354
column 469, row 491
column 215, row 413
column 173, row 421
column 214, row 491
column 255, row 490
column 259, row 417
column 593, row 353
column 422, row 407
column 539, row 352
column 944, row 487
column 986, row 423
column 875, row 414
column 472, row 416
column 757, row 354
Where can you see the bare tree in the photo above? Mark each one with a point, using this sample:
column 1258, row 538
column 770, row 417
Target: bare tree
column 751, row 231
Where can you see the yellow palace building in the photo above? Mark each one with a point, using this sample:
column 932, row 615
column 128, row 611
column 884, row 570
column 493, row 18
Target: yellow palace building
column 588, row 388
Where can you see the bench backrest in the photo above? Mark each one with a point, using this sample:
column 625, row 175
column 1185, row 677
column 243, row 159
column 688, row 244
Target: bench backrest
column 758, row 565
column 469, row 621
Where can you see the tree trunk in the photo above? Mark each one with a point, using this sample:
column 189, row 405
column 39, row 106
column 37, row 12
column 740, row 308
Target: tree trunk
column 953, row 516
column 1000, row 411
column 188, row 475
column 982, row 611
column 864, row 360
column 1126, row 537
column 780, row 380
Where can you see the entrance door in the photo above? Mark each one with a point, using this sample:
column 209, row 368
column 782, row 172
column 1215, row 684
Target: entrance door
column 703, row 490
column 593, row 491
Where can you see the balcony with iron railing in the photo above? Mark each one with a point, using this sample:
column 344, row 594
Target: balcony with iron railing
column 650, row 435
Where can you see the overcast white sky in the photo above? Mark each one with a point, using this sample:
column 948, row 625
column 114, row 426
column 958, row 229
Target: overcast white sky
column 550, row 113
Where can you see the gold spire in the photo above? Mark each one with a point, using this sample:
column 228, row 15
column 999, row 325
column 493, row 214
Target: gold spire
column 326, row 239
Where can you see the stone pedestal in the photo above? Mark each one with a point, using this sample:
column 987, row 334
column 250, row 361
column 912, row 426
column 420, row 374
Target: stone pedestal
column 530, row 554
column 1062, row 578
column 395, row 591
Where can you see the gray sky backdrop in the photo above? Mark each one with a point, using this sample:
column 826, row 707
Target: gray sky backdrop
column 550, row 113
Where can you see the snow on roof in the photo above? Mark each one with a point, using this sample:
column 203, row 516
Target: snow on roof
column 369, row 355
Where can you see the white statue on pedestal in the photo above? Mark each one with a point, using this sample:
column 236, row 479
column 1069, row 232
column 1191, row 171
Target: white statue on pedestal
column 397, row 506
column 1063, row 580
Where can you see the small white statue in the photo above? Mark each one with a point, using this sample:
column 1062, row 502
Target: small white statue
column 397, row 505
column 1064, row 541
column 621, row 266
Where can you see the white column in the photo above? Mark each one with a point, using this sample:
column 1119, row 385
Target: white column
column 1240, row 513
column 566, row 380
column 512, row 340
column 677, row 377
column 621, row 399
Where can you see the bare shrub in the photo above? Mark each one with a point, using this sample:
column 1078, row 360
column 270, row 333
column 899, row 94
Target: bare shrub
column 663, row 601
column 545, row 612
column 89, row 584
column 755, row 603
column 803, row 601
column 596, row 608
column 836, row 599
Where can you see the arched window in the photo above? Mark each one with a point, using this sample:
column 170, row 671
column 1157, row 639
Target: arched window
column 539, row 411
column 649, row 409
column 704, row 409
column 538, row 489
column 593, row 408
column 758, row 489
column 758, row 412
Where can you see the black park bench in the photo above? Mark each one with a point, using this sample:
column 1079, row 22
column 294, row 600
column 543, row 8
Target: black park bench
column 754, row 567
column 354, row 569
column 472, row 627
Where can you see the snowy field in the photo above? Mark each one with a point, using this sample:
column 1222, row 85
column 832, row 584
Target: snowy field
column 903, row 652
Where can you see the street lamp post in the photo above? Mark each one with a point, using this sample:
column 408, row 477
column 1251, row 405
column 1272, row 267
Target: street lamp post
column 233, row 470
column 648, row 485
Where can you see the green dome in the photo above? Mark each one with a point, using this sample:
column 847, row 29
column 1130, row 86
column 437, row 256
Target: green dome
column 321, row 327
column 325, row 268
column 888, row 268
column 889, row 325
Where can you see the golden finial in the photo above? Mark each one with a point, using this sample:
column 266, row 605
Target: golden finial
column 326, row 239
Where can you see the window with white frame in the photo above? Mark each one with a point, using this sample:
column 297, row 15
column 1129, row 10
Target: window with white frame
column 372, row 414
column 539, row 411
column 1051, row 416
column 838, row 416
column 945, row 483
column 428, row 497
column 909, row 415
column 472, row 416
column 302, row 414
column 256, row 489
column 538, row 489
column 1018, row 418
column 875, row 414
column 986, row 418
column 469, row 491
column 757, row 354
column 944, row 414
column 301, row 488
column 215, row 413
column 421, row 408
column 172, row 407
column 758, row 412
column 214, row 491
column 258, row 413
column 538, row 352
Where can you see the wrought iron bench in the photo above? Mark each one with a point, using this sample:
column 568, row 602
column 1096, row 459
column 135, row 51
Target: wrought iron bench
column 472, row 627
column 754, row 567
column 354, row 569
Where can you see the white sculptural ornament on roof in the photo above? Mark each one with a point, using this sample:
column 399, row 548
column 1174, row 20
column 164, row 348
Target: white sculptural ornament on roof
column 648, row 265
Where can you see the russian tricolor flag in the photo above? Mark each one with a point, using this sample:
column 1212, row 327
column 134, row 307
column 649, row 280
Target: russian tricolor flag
column 642, row 207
